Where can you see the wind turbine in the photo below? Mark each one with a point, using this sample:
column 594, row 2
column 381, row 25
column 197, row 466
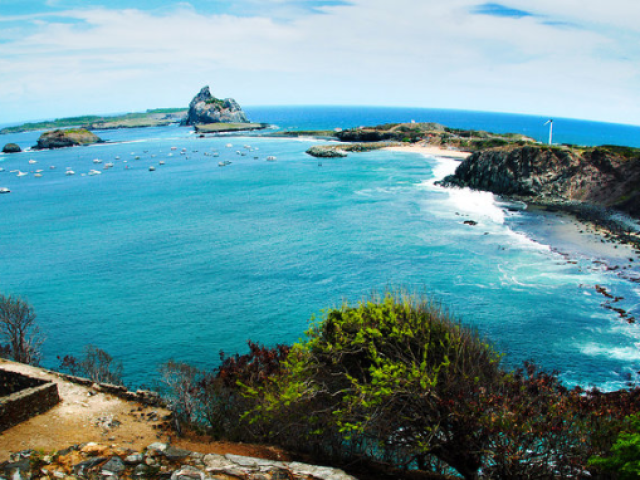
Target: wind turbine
column 550, row 122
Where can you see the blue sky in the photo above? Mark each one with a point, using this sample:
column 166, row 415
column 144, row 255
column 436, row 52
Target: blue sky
column 569, row 58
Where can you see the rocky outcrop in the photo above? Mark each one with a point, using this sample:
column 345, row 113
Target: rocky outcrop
column 66, row 138
column 594, row 176
column 205, row 108
column 11, row 148
column 157, row 461
column 341, row 149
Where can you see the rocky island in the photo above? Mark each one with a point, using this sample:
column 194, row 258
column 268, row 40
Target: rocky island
column 208, row 114
column 11, row 148
column 66, row 138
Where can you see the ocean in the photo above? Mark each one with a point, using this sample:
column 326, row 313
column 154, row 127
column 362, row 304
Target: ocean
column 191, row 259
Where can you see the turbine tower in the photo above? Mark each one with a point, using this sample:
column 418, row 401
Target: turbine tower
column 550, row 122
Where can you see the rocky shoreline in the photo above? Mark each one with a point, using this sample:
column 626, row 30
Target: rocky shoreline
column 595, row 185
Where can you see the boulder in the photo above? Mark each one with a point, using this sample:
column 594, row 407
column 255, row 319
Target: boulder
column 205, row 108
column 66, row 138
column 11, row 148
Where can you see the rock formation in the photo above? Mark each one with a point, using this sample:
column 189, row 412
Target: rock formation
column 11, row 148
column 160, row 461
column 341, row 149
column 66, row 138
column 600, row 176
column 205, row 108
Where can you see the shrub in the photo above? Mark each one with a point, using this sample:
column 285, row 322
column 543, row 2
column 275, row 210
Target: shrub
column 383, row 380
column 19, row 330
column 214, row 400
column 96, row 364
column 624, row 456
column 399, row 380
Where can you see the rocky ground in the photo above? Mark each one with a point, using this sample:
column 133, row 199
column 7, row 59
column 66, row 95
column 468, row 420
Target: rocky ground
column 158, row 460
column 86, row 414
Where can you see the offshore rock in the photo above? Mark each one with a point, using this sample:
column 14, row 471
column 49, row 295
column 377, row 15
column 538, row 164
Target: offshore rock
column 205, row 108
column 11, row 148
column 66, row 138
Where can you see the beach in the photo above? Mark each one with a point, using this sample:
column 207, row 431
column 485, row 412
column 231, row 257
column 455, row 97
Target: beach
column 430, row 150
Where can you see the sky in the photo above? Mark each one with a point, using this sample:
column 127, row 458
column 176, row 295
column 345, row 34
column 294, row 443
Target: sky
column 556, row 58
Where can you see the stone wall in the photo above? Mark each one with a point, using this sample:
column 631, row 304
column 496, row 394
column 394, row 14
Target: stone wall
column 146, row 397
column 24, row 397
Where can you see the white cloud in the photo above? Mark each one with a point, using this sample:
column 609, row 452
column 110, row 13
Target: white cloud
column 424, row 54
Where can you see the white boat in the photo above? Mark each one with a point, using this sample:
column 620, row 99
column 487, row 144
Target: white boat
column 152, row 168
column 38, row 175
column 33, row 161
column 117, row 157
column 1, row 169
column 216, row 154
column 4, row 190
column 224, row 164
column 271, row 158
column 229, row 145
column 69, row 172
column 52, row 167
column 248, row 147
column 161, row 162
column 108, row 165
column 20, row 174
column 174, row 148
column 94, row 172
column 97, row 160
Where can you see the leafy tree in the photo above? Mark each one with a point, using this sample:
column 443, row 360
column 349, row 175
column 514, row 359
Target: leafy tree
column 19, row 330
column 384, row 379
column 96, row 364
column 624, row 457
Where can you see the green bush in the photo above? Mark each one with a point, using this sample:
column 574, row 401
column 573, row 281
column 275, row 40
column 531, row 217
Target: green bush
column 382, row 380
column 624, row 457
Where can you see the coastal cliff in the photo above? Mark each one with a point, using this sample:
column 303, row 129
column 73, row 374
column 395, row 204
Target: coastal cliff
column 205, row 108
column 604, row 176
column 66, row 138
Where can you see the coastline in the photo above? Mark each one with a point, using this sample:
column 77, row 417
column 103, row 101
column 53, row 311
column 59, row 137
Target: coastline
column 562, row 231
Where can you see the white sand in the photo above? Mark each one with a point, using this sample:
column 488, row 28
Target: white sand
column 430, row 150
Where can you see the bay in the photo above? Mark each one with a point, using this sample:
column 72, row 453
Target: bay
column 194, row 258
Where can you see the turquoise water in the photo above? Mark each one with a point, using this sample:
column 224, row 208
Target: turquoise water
column 192, row 259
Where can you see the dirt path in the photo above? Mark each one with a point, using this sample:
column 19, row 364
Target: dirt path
column 85, row 415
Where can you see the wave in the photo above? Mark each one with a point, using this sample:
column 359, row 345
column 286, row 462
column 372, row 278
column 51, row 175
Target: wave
column 630, row 353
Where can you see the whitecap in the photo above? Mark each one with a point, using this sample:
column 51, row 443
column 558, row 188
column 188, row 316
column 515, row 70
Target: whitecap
column 630, row 353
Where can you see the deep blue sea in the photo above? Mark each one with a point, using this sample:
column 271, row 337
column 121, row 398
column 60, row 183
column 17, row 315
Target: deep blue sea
column 192, row 258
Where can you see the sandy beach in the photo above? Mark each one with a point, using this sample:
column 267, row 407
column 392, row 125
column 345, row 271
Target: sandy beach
column 430, row 150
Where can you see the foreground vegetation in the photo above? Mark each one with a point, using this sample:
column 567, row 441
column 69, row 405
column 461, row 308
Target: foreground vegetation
column 394, row 381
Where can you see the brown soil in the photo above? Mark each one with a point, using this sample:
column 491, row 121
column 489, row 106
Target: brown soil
column 85, row 415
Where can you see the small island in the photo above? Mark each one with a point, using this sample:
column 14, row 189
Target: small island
column 208, row 114
column 11, row 148
column 66, row 138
